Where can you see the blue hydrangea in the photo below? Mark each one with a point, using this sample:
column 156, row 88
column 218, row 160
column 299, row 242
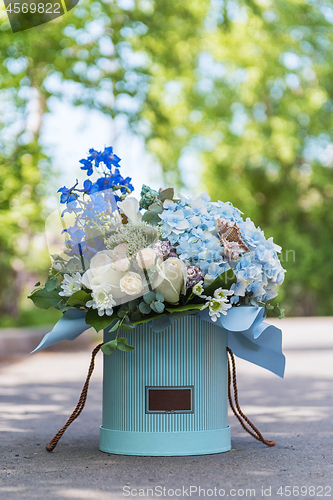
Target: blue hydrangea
column 191, row 226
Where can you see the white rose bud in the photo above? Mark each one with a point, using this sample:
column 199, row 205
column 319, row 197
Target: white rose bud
column 171, row 281
column 121, row 265
column 102, row 271
column 146, row 258
column 131, row 284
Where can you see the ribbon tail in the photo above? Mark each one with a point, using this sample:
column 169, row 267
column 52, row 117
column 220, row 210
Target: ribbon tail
column 69, row 326
column 265, row 350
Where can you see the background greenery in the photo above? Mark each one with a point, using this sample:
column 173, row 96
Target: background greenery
column 239, row 92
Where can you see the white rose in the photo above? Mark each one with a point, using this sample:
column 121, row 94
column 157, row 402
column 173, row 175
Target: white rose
column 171, row 281
column 146, row 258
column 100, row 271
column 131, row 284
column 130, row 207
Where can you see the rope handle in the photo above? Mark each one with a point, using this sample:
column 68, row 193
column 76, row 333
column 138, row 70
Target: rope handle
column 242, row 418
column 79, row 407
column 237, row 411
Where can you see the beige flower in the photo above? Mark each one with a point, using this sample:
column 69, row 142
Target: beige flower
column 146, row 258
column 171, row 281
column 131, row 284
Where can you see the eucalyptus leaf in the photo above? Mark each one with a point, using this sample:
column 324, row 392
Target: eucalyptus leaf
column 159, row 297
column 133, row 304
column 151, row 218
column 156, row 208
column 109, row 347
column 149, row 297
column 122, row 345
column 135, row 316
column 126, row 328
column 157, row 306
column 166, row 194
column 144, row 308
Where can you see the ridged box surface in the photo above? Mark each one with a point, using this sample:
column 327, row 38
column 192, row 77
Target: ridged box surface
column 191, row 355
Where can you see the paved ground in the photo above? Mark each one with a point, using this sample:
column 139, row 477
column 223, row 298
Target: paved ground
column 38, row 393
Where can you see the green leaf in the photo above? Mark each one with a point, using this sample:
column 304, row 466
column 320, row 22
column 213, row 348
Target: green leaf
column 146, row 319
column 126, row 328
column 144, row 308
column 79, row 298
column 166, row 194
column 115, row 326
column 151, row 218
column 186, row 307
column 51, row 283
column 149, row 297
column 122, row 345
column 98, row 322
column 121, row 313
column 156, row 208
column 157, row 306
column 223, row 280
column 45, row 299
column 109, row 347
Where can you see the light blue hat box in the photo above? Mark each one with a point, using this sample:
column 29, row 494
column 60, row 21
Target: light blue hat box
column 168, row 396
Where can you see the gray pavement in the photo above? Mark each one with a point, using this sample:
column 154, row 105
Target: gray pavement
column 40, row 391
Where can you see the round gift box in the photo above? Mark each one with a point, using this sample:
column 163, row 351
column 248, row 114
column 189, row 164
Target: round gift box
column 169, row 395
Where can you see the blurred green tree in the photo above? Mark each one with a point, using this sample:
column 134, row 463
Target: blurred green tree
column 238, row 92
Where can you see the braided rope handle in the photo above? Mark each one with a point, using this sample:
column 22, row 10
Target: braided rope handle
column 237, row 411
column 79, row 407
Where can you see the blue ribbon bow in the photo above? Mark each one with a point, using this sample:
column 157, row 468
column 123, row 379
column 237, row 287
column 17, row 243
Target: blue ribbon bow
column 248, row 336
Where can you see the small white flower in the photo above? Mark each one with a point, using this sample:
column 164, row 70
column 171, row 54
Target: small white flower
column 222, row 294
column 198, row 289
column 102, row 299
column 216, row 307
column 71, row 284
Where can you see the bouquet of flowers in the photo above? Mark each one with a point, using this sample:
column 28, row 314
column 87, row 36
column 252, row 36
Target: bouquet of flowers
column 126, row 261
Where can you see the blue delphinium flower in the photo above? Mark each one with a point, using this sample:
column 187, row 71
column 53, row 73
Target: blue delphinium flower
column 109, row 158
column 95, row 200
column 67, row 195
column 89, row 187
column 87, row 165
